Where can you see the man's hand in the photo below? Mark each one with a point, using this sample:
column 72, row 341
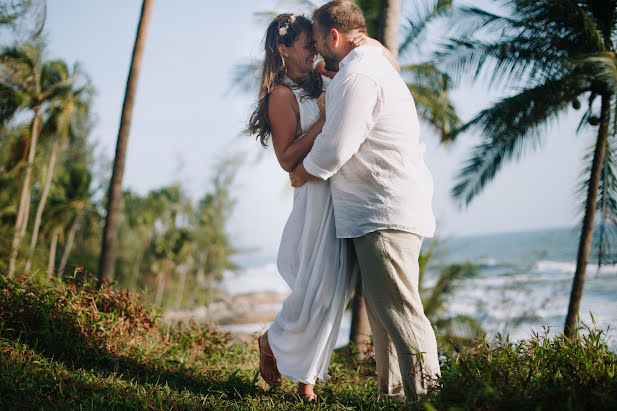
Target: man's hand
column 299, row 176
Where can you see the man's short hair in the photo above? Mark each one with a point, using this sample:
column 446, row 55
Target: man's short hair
column 343, row 15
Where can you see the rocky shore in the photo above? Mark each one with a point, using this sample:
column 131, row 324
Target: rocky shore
column 231, row 310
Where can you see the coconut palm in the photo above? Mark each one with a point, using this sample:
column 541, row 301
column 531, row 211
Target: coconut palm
column 70, row 204
column 32, row 83
column 429, row 86
column 27, row 16
column 108, row 250
column 69, row 115
column 554, row 53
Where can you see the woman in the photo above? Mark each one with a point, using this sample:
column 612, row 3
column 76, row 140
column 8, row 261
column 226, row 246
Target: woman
column 314, row 263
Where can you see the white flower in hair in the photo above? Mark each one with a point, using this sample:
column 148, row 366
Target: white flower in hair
column 282, row 31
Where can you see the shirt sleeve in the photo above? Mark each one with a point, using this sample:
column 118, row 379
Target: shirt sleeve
column 351, row 109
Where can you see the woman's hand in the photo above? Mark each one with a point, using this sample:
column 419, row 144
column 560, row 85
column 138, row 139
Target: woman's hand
column 364, row 40
column 321, row 102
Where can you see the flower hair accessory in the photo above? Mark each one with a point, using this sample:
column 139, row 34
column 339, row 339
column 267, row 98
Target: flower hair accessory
column 290, row 20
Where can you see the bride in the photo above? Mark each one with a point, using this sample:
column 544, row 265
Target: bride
column 318, row 267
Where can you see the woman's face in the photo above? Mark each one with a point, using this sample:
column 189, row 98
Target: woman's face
column 301, row 54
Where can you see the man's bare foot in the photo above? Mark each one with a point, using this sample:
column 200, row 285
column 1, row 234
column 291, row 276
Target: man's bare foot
column 306, row 392
column 267, row 363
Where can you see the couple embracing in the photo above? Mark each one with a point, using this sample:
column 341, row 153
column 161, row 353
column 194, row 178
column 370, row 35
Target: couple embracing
column 362, row 200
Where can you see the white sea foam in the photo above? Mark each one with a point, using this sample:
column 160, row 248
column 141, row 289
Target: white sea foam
column 570, row 267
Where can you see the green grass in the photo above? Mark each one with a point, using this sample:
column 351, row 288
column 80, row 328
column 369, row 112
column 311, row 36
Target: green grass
column 71, row 346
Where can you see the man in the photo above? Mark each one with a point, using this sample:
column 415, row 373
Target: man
column 381, row 190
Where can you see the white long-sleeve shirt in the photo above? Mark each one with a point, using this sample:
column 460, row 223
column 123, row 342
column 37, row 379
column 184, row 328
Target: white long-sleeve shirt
column 370, row 150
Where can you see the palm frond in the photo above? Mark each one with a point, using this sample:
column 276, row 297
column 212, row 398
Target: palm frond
column 246, row 77
column 510, row 126
column 459, row 331
column 510, row 61
column 534, row 43
column 430, row 90
column 601, row 66
column 604, row 13
column 434, row 304
column 417, row 24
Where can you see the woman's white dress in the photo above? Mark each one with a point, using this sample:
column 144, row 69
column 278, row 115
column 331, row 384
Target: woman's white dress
column 320, row 272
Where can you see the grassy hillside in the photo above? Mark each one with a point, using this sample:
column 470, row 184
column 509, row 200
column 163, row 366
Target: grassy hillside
column 73, row 346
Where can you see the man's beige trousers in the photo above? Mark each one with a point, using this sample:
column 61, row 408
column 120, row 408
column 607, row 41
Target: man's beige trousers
column 403, row 338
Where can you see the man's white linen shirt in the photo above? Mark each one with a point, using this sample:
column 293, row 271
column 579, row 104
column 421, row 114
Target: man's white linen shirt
column 370, row 150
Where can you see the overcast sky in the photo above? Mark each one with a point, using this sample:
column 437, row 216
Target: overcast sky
column 185, row 121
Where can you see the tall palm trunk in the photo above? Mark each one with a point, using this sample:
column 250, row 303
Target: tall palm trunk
column 360, row 333
column 180, row 291
column 389, row 24
column 135, row 270
column 52, row 252
column 590, row 211
column 41, row 206
column 68, row 247
column 108, row 252
column 23, row 207
column 160, row 289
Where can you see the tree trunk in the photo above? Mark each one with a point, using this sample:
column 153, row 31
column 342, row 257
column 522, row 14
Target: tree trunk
column 68, row 247
column 160, row 289
column 41, row 206
column 108, row 252
column 360, row 333
column 388, row 35
column 590, row 211
column 52, row 252
column 389, row 24
column 136, row 266
column 182, row 273
column 23, row 207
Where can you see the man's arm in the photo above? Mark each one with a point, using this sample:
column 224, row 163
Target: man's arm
column 351, row 111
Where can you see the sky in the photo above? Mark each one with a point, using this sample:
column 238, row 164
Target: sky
column 185, row 120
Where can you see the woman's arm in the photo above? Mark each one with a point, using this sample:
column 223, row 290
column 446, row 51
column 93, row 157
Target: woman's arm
column 364, row 40
column 282, row 109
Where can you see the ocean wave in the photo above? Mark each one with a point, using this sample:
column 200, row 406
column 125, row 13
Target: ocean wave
column 569, row 267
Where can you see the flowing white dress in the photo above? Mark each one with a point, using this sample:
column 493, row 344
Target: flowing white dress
column 320, row 271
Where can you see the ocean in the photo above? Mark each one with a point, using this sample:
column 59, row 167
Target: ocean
column 523, row 285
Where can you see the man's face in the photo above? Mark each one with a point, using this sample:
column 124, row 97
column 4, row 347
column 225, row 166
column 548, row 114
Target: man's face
column 324, row 48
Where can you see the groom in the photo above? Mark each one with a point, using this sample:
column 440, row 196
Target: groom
column 369, row 149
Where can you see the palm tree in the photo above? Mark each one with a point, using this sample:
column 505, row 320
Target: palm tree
column 554, row 53
column 32, row 83
column 70, row 205
column 32, row 13
column 108, row 251
column 68, row 116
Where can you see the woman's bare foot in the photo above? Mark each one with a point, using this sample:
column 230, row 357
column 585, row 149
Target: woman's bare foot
column 306, row 392
column 267, row 362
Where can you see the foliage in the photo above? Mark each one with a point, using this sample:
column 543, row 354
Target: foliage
column 452, row 332
column 551, row 54
column 541, row 372
column 75, row 346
